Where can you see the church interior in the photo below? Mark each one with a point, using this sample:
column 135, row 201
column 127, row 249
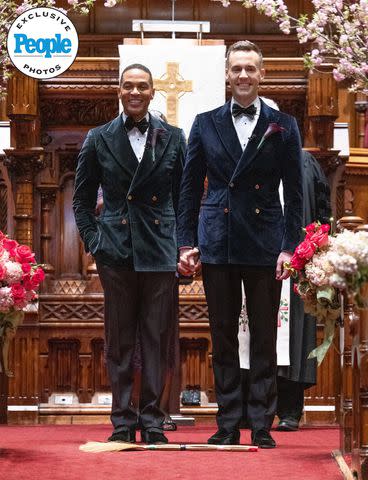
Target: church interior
column 57, row 354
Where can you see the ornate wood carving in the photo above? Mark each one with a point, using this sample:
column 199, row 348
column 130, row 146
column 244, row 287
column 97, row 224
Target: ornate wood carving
column 78, row 111
column 322, row 107
column 356, row 176
column 82, row 311
column 360, row 388
column 100, row 381
column 23, row 164
column 3, row 207
column 350, row 318
column 48, row 196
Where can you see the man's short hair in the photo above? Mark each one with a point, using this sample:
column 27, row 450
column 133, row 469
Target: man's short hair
column 244, row 46
column 139, row 66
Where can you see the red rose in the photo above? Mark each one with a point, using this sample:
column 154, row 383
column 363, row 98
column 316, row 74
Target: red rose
column 27, row 283
column 325, row 228
column 319, row 238
column 26, row 267
column 297, row 262
column 24, row 254
column 18, row 293
column 9, row 244
column 306, row 249
column 37, row 277
column 311, row 228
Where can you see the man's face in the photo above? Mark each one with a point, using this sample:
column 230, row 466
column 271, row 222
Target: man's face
column 135, row 93
column 244, row 73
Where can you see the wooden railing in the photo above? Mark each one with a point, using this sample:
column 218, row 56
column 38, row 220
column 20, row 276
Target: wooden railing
column 354, row 376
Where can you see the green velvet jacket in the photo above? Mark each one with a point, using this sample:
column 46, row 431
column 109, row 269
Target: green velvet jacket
column 137, row 225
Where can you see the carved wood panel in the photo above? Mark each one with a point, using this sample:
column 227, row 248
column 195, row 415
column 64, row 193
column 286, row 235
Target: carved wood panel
column 3, row 207
column 100, row 381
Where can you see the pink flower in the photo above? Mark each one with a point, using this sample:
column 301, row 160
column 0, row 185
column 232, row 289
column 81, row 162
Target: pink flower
column 37, row 277
column 27, row 283
column 26, row 267
column 320, row 238
column 272, row 128
column 10, row 245
column 18, row 293
column 24, row 254
column 297, row 262
column 311, row 228
column 305, row 250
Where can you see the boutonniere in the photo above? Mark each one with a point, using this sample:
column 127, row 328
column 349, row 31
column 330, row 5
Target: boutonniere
column 272, row 128
column 155, row 135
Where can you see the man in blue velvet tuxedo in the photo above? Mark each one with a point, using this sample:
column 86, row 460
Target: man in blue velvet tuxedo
column 137, row 159
column 245, row 149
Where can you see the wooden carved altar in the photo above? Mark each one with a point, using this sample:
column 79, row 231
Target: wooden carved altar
column 58, row 352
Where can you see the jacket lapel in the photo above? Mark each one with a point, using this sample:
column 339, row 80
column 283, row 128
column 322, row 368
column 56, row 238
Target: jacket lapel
column 117, row 141
column 227, row 133
column 252, row 150
column 158, row 139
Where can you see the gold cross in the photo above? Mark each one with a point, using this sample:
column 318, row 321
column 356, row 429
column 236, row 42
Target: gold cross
column 173, row 85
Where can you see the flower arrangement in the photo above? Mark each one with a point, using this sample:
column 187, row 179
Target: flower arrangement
column 325, row 266
column 339, row 28
column 20, row 277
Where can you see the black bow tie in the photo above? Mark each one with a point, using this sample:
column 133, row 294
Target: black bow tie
column 249, row 111
column 142, row 125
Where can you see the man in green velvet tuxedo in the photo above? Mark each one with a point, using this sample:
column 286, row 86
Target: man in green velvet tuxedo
column 137, row 160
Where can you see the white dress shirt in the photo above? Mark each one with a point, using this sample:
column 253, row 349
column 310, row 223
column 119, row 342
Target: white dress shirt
column 243, row 124
column 137, row 139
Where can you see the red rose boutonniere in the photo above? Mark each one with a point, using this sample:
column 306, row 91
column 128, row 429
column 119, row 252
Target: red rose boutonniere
column 272, row 128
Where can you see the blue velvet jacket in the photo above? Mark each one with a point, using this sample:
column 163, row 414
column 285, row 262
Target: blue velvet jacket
column 241, row 220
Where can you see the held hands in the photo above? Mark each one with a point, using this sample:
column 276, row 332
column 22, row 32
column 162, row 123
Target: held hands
column 283, row 273
column 189, row 263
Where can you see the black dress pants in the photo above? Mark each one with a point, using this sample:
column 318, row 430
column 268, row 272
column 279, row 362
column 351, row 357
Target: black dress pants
column 222, row 285
column 135, row 300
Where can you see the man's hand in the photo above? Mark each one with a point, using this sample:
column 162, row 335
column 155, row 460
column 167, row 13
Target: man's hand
column 281, row 272
column 189, row 263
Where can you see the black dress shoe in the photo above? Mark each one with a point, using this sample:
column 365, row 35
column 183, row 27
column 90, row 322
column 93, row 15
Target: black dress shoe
column 127, row 436
column 153, row 438
column 288, row 424
column 223, row 437
column 263, row 439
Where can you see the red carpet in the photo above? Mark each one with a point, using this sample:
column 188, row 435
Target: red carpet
column 51, row 452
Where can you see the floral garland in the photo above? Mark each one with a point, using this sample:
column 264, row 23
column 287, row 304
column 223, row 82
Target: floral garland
column 324, row 266
column 339, row 28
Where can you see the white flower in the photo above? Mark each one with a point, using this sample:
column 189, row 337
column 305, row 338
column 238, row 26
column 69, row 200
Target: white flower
column 6, row 300
column 338, row 282
column 13, row 272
